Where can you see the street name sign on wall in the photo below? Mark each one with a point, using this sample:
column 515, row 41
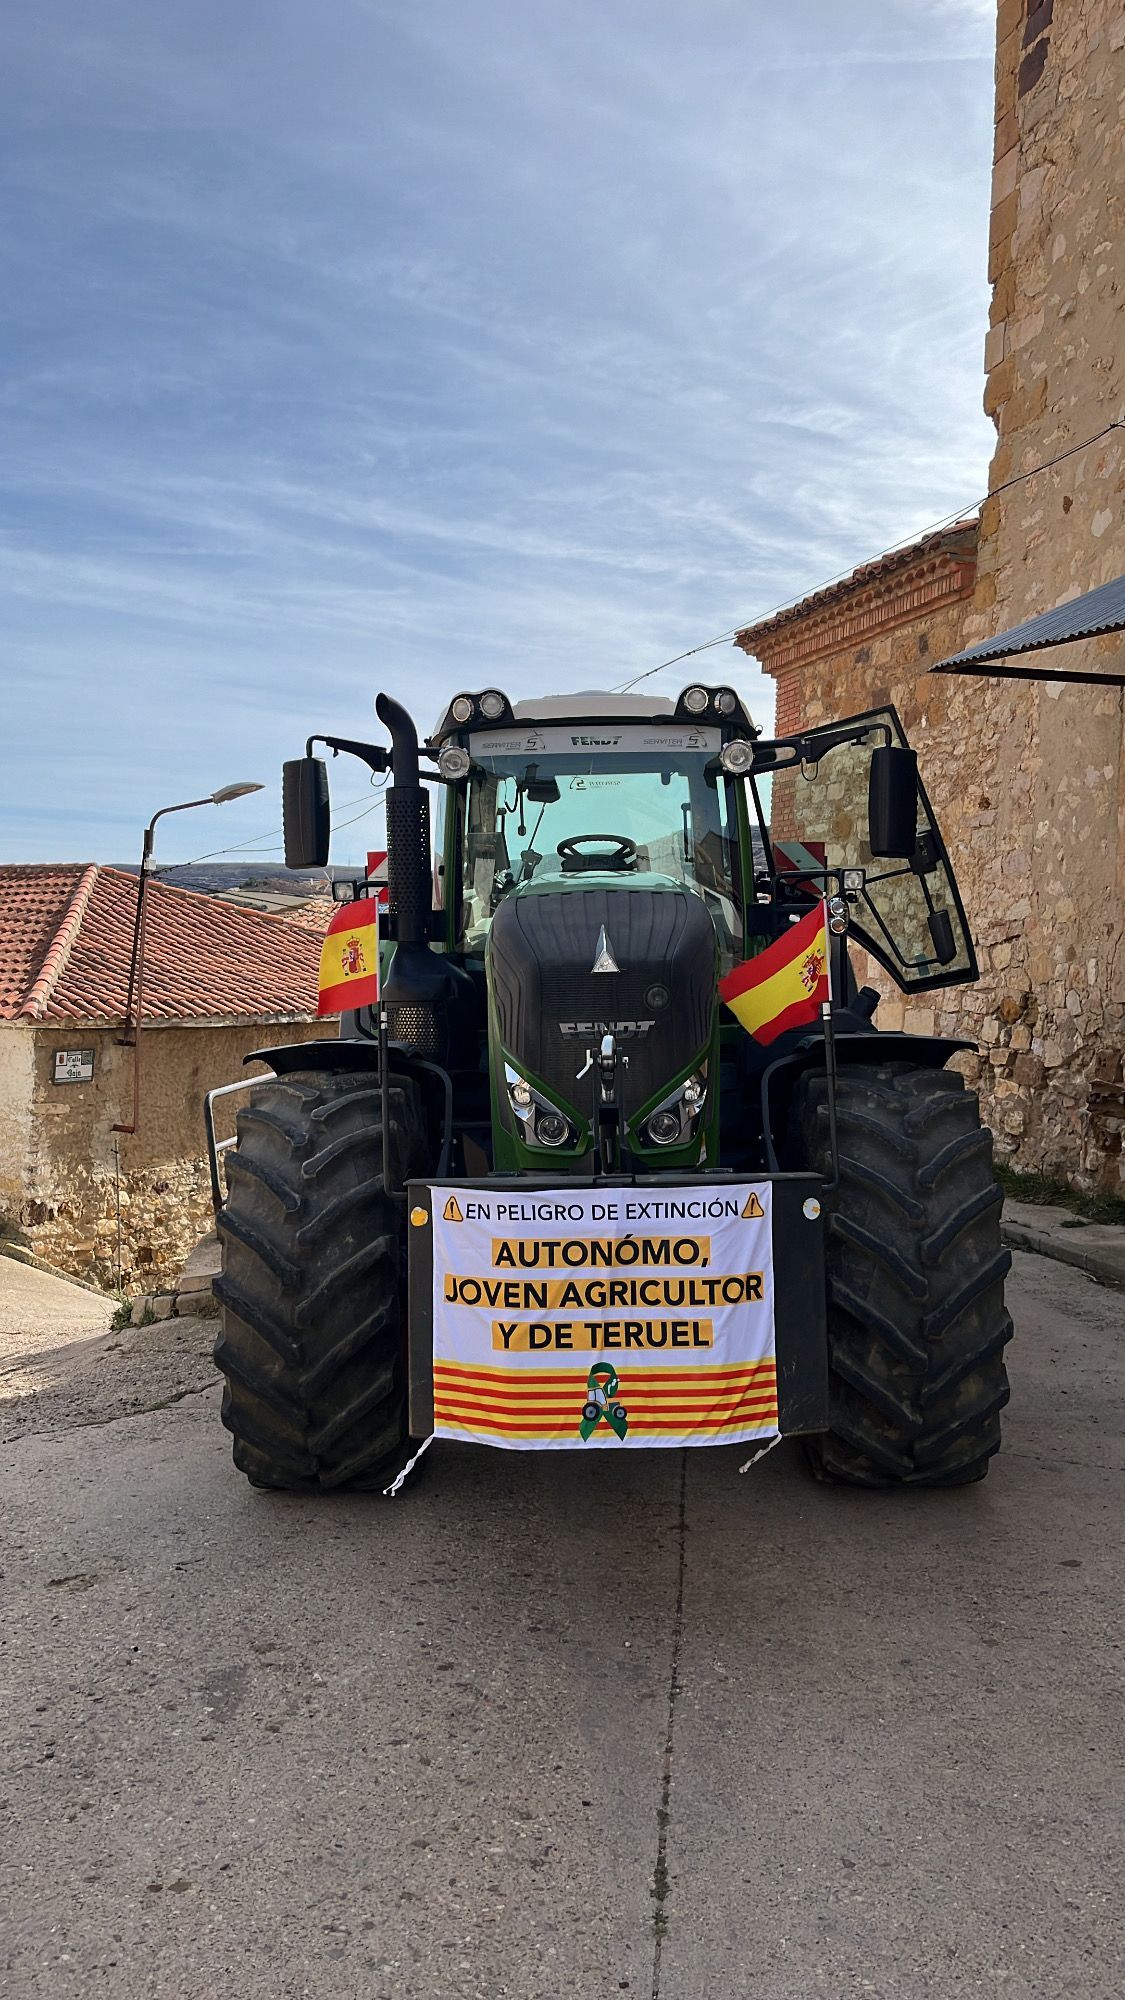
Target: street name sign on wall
column 74, row 1065
column 607, row 1317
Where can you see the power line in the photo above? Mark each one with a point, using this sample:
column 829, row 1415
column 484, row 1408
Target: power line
column 255, row 844
column 338, row 825
column 935, row 528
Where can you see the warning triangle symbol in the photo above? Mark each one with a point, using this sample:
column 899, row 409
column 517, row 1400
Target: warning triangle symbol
column 451, row 1212
column 753, row 1207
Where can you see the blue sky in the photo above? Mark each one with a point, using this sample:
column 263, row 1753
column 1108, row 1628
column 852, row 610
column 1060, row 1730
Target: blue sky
column 351, row 344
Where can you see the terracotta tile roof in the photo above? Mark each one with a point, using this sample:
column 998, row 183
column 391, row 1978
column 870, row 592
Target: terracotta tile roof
column 958, row 542
column 66, row 933
column 315, row 915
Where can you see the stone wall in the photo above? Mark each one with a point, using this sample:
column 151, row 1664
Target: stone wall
column 17, row 1061
column 1054, row 357
column 102, row 1204
column 1028, row 779
column 978, row 802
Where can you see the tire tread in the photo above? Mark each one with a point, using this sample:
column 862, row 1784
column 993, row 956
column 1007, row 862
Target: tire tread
column 311, row 1291
column 916, row 1319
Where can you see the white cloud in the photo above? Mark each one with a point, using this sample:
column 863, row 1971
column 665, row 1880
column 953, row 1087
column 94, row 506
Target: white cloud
column 426, row 346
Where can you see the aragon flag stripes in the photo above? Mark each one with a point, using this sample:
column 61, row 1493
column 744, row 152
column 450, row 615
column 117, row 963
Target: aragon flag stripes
column 349, row 958
column 533, row 1291
column 697, row 1405
column 785, row 986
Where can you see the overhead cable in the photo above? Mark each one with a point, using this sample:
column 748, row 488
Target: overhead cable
column 961, row 513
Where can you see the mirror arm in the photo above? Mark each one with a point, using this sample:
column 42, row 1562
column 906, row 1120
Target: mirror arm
column 785, row 752
column 372, row 754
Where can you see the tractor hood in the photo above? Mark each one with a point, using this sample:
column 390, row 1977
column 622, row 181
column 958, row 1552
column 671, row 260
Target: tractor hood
column 570, row 962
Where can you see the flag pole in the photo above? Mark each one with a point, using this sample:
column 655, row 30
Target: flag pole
column 826, row 1013
column 382, row 1024
column 384, row 1095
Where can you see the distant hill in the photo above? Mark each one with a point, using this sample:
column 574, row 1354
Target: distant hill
column 218, row 878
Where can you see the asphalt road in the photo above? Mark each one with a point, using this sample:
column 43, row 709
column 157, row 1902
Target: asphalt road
column 553, row 1729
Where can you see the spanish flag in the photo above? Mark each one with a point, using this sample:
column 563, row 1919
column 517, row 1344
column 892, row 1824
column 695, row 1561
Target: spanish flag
column 349, row 959
column 785, row 986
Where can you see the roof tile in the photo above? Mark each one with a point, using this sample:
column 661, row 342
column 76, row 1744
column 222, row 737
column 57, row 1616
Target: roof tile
column 66, row 934
column 957, row 540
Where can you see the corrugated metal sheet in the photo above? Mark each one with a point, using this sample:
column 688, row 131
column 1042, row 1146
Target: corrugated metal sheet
column 1097, row 611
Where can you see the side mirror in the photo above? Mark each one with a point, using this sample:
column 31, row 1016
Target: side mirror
column 305, row 812
column 940, row 925
column 892, row 802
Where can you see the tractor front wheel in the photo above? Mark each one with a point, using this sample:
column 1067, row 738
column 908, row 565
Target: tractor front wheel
column 915, row 1271
column 312, row 1287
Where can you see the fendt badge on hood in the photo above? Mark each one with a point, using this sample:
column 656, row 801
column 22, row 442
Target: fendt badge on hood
column 604, row 960
column 625, row 1031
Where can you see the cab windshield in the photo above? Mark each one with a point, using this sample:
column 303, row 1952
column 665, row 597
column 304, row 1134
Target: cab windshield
column 630, row 801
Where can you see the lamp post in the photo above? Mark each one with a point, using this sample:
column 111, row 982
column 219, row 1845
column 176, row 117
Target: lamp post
column 131, row 1032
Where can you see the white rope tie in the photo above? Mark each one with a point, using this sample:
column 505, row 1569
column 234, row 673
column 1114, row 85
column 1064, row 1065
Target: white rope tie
column 757, row 1455
column 396, row 1485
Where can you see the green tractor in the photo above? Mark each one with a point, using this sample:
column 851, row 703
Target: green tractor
column 548, row 1066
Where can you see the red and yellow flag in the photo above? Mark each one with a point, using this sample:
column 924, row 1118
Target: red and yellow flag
column 349, row 959
column 786, row 985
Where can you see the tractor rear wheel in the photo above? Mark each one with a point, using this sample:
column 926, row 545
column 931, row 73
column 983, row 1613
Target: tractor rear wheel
column 312, row 1287
column 915, row 1267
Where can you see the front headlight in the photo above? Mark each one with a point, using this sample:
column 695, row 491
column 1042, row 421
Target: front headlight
column 663, row 1128
column 737, row 757
column 673, row 1121
column 543, row 1123
column 549, row 1128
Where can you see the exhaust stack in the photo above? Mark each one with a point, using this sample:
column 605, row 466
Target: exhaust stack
column 429, row 998
column 408, row 828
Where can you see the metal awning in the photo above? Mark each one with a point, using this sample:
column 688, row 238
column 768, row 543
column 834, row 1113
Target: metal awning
column 1098, row 611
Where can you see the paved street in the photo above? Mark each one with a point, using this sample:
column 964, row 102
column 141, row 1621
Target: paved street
column 551, row 1728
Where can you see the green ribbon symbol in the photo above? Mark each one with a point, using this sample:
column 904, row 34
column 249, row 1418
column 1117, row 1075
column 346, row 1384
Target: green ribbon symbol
column 601, row 1387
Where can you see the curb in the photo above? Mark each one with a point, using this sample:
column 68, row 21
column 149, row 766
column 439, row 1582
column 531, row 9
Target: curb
column 1103, row 1261
column 197, row 1303
column 19, row 1255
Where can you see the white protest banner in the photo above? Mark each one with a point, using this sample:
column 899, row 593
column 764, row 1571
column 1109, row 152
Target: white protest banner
column 604, row 1316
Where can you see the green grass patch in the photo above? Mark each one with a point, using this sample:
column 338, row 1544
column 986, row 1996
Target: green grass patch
column 1046, row 1192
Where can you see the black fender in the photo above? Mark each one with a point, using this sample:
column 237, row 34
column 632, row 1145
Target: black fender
column 924, row 1051
column 333, row 1056
column 361, row 1055
column 778, row 1079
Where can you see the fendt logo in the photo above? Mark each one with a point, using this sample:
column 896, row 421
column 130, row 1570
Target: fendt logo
column 625, row 1031
column 595, row 742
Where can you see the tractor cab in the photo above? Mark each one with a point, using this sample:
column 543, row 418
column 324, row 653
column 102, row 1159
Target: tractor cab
column 606, row 859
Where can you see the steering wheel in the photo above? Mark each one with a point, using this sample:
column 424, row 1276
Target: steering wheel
column 623, row 851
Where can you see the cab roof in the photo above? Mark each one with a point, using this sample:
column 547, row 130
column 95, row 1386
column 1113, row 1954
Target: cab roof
column 587, row 704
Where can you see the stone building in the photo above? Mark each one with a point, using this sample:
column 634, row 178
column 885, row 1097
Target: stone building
column 1028, row 778
column 121, row 1207
column 871, row 639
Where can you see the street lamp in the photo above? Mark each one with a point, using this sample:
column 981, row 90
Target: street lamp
column 131, row 1032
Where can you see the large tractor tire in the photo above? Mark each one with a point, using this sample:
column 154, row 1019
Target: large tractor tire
column 312, row 1289
column 916, row 1318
